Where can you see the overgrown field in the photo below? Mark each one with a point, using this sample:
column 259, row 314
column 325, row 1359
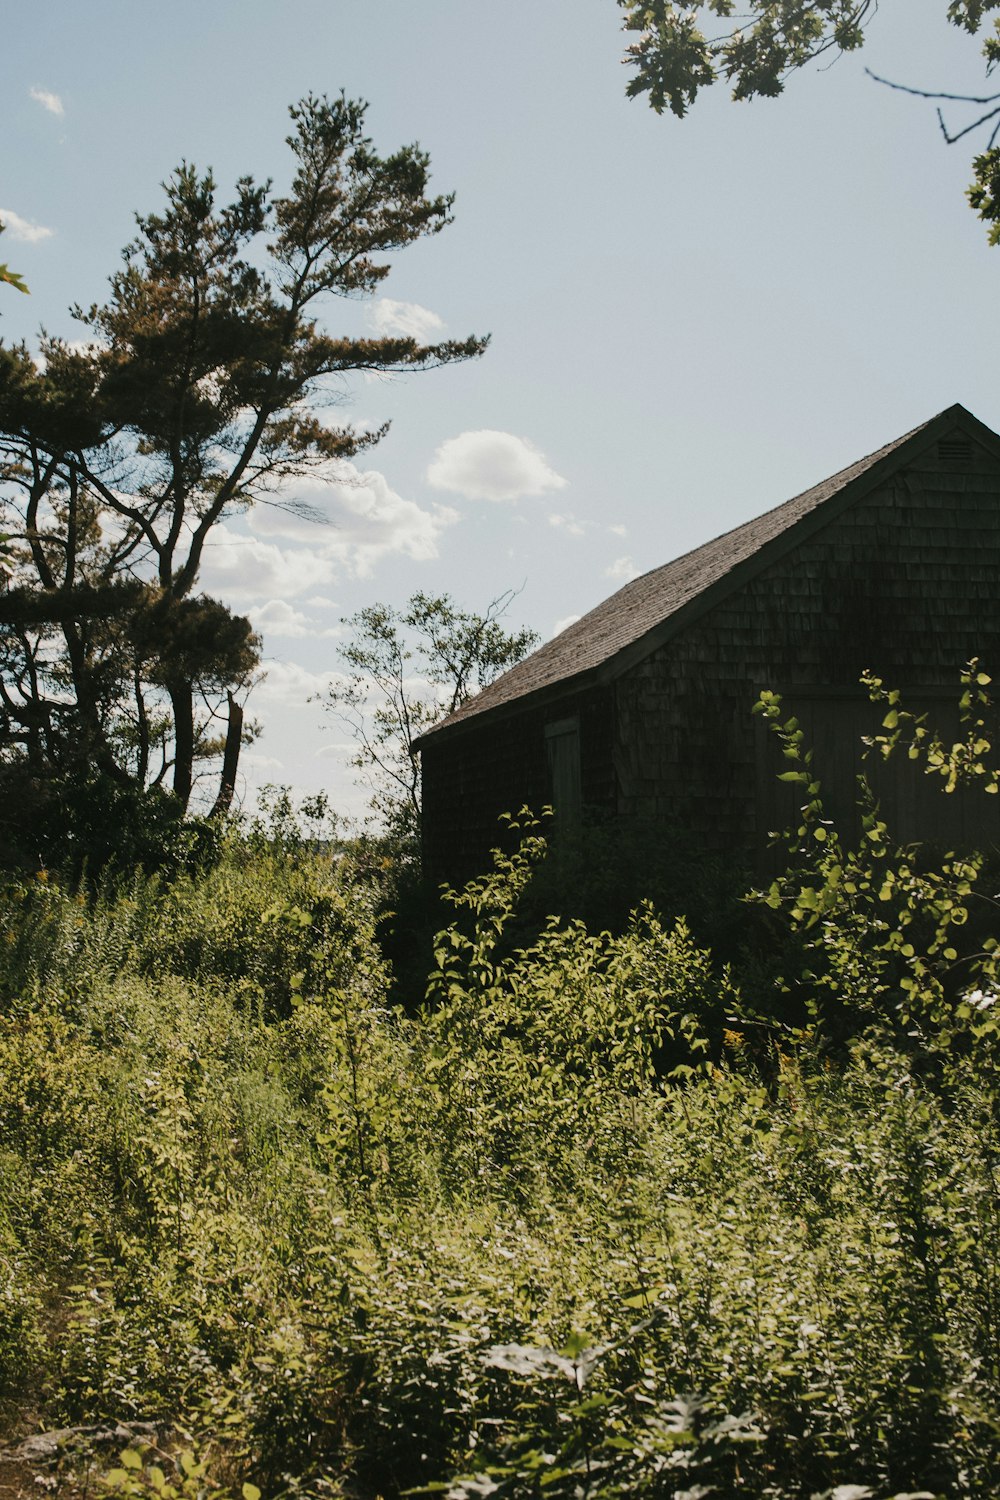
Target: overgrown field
column 568, row 1229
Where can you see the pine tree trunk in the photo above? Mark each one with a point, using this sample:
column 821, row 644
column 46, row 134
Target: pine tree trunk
column 182, row 703
column 230, row 760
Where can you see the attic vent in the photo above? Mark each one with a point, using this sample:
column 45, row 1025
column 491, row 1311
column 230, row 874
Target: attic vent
column 954, row 453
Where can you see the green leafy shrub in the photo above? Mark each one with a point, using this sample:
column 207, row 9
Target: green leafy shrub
column 181, row 1476
column 896, row 955
column 531, row 1055
column 87, row 825
column 21, row 1339
column 555, row 1234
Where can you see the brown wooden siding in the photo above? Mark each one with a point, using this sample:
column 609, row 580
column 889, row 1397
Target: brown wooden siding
column 471, row 778
column 905, row 583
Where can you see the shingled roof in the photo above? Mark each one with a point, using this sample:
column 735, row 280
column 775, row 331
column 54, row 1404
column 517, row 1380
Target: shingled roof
column 647, row 611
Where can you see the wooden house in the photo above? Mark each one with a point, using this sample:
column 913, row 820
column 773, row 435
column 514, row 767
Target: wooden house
column 642, row 709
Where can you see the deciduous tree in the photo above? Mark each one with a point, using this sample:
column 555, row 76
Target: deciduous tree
column 405, row 670
column 683, row 46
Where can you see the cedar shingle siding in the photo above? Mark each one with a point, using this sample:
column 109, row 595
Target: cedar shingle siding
column 893, row 565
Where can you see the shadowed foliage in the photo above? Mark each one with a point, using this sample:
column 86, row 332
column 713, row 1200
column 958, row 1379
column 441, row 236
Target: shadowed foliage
column 203, row 387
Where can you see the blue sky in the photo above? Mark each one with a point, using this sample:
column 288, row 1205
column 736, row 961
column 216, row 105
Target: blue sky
column 691, row 320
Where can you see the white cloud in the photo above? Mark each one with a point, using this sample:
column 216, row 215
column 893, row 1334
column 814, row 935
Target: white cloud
column 367, row 520
column 48, row 100
column 406, row 318
column 622, row 570
column 23, row 229
column 338, row 751
column 289, row 685
column 243, row 567
column 569, row 523
column 562, row 625
column 618, row 530
column 488, row 465
column 252, row 760
column 283, row 555
column 211, row 385
column 277, row 617
column 282, row 519
column 333, row 410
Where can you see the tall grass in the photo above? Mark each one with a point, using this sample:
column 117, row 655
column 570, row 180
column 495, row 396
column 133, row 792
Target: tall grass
column 561, row 1230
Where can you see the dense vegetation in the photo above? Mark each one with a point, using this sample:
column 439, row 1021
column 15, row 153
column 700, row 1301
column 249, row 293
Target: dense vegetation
column 205, row 386
column 578, row 1224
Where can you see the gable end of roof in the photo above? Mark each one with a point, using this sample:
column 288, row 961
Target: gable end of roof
column 647, row 612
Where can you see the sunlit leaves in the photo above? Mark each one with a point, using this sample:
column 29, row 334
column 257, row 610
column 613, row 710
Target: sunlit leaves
column 684, row 46
column 681, row 48
column 11, row 278
column 487, row 1249
column 884, row 923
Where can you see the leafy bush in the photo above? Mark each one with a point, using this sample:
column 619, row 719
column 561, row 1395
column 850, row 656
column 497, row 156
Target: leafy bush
column 86, row 824
column 896, row 955
column 554, row 1234
column 561, row 1043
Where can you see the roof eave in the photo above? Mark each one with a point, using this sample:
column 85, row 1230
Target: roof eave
column 566, row 687
column 629, row 656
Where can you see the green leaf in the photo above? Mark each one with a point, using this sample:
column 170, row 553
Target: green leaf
column 11, row 278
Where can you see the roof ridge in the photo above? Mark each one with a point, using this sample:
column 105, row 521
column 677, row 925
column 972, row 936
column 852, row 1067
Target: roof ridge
column 860, row 464
column 632, row 612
